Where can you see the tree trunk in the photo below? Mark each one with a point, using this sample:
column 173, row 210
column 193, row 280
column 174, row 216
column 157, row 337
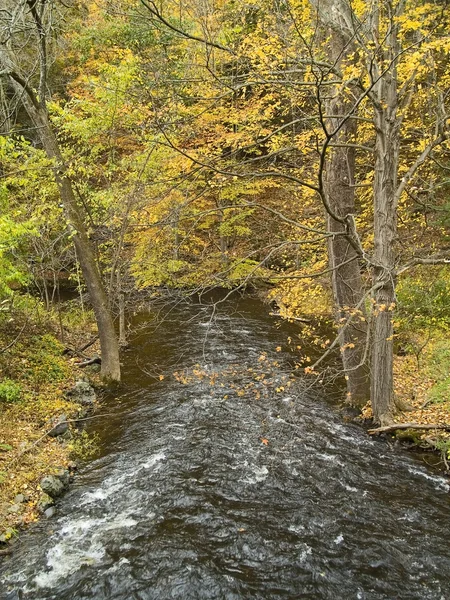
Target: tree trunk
column 108, row 341
column 346, row 274
column 387, row 125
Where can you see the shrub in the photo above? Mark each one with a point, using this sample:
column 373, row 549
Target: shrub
column 10, row 391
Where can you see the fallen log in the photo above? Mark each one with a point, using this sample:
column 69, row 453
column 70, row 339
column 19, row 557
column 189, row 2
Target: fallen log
column 395, row 426
column 87, row 344
column 299, row 319
column 96, row 360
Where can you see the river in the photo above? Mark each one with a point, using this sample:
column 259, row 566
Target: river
column 221, row 477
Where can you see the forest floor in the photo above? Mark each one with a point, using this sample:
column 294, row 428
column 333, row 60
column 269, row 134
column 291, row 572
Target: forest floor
column 423, row 382
column 34, row 379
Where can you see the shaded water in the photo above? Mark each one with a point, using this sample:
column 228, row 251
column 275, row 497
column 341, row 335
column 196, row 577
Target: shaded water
column 229, row 481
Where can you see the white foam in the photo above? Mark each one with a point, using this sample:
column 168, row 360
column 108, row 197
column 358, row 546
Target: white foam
column 153, row 460
column 117, row 483
column 259, row 474
column 71, row 554
column 330, row 458
column 307, row 551
column 64, row 560
column 349, row 488
column 441, row 483
column 339, row 539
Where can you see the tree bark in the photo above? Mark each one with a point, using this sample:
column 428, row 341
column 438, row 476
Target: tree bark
column 346, row 275
column 387, row 124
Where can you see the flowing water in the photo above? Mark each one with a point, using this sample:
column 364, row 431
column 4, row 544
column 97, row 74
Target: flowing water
column 228, row 480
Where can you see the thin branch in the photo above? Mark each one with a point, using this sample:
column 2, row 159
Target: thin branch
column 151, row 7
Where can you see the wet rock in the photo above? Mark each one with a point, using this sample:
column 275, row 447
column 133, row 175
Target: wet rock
column 350, row 412
column 83, row 393
column 49, row 512
column 52, row 486
column 45, row 502
column 60, row 427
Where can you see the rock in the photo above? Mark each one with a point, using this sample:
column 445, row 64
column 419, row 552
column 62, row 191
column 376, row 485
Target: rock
column 7, row 535
column 350, row 412
column 20, row 498
column 409, row 435
column 60, row 427
column 65, row 437
column 14, row 508
column 49, row 512
column 83, row 393
column 63, row 475
column 52, row 486
column 45, row 502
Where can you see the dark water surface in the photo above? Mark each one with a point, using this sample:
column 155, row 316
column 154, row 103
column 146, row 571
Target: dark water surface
column 227, row 481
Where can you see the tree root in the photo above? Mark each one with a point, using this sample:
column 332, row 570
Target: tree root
column 395, row 426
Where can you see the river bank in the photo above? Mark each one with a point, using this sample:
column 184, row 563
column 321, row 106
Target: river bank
column 38, row 408
column 422, row 389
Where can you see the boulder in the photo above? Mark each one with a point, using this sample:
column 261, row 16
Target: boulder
column 60, row 427
column 49, row 512
column 45, row 502
column 52, row 485
column 63, row 475
column 83, row 393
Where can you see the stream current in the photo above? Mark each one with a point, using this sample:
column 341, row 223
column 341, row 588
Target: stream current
column 227, row 480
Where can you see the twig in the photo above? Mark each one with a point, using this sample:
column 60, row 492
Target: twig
column 422, row 406
column 388, row 428
column 86, row 418
column 2, row 350
column 300, row 319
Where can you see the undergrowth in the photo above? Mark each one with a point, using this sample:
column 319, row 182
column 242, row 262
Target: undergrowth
column 34, row 376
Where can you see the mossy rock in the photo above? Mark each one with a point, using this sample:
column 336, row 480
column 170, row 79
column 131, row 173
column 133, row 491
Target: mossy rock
column 409, row 435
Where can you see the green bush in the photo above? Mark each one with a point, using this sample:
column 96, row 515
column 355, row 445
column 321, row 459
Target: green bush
column 423, row 300
column 42, row 360
column 10, row 391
